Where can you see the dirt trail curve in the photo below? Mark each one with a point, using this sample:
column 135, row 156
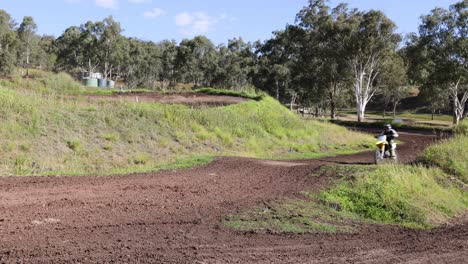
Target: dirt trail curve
column 174, row 217
column 192, row 99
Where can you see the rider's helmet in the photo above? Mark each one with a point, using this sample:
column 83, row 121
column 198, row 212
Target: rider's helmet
column 387, row 126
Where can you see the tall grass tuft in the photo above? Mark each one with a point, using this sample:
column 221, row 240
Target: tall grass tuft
column 412, row 196
column 461, row 128
column 450, row 155
column 43, row 82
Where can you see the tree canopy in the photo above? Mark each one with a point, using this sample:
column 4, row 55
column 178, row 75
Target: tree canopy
column 329, row 58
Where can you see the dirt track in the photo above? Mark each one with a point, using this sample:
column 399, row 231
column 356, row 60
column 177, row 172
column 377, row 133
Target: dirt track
column 174, row 217
column 193, row 99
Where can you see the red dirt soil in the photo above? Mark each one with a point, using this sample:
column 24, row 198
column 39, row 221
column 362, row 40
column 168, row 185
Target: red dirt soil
column 175, row 217
column 178, row 98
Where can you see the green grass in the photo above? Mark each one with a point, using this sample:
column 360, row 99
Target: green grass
column 178, row 164
column 462, row 128
column 426, row 117
column 308, row 215
column 406, row 120
column 215, row 91
column 408, row 195
column 403, row 115
column 379, row 124
column 317, row 155
column 451, row 155
column 56, row 132
column 43, row 83
column 411, row 196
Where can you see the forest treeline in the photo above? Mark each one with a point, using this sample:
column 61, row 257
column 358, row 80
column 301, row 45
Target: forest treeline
column 329, row 58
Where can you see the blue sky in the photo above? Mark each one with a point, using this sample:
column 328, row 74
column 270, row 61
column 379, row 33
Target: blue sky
column 219, row 20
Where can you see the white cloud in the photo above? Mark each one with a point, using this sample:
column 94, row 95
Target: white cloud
column 184, row 19
column 111, row 4
column 154, row 13
column 194, row 23
column 139, row 1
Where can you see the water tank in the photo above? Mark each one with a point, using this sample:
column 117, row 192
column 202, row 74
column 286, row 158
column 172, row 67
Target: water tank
column 91, row 82
column 110, row 84
column 102, row 82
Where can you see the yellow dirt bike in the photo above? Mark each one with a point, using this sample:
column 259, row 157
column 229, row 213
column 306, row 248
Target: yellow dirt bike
column 385, row 151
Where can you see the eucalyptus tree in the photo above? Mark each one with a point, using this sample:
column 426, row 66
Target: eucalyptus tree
column 236, row 64
column 276, row 60
column 394, row 82
column 8, row 43
column 168, row 58
column 28, row 41
column 370, row 39
column 329, row 33
column 443, row 37
column 187, row 62
column 205, row 54
column 90, row 47
column 88, row 38
column 45, row 57
column 436, row 96
column 77, row 48
column 325, row 53
column 108, row 44
column 132, row 70
column 151, row 67
column 69, row 50
column 419, row 67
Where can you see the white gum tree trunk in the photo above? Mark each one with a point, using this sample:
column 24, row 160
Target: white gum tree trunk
column 458, row 104
column 365, row 71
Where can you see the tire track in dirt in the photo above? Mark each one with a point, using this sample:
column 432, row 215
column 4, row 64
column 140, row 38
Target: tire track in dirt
column 175, row 217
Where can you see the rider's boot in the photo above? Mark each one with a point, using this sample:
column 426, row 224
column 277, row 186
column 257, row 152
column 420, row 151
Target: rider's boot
column 392, row 152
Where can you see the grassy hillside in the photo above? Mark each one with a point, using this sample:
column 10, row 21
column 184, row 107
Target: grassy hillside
column 49, row 128
column 451, row 155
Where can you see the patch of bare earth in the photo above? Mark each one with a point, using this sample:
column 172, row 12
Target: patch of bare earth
column 175, row 217
column 179, row 98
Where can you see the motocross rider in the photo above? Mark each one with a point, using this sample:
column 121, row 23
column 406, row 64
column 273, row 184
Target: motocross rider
column 391, row 135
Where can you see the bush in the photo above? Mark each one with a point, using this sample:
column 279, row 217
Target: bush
column 7, row 62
